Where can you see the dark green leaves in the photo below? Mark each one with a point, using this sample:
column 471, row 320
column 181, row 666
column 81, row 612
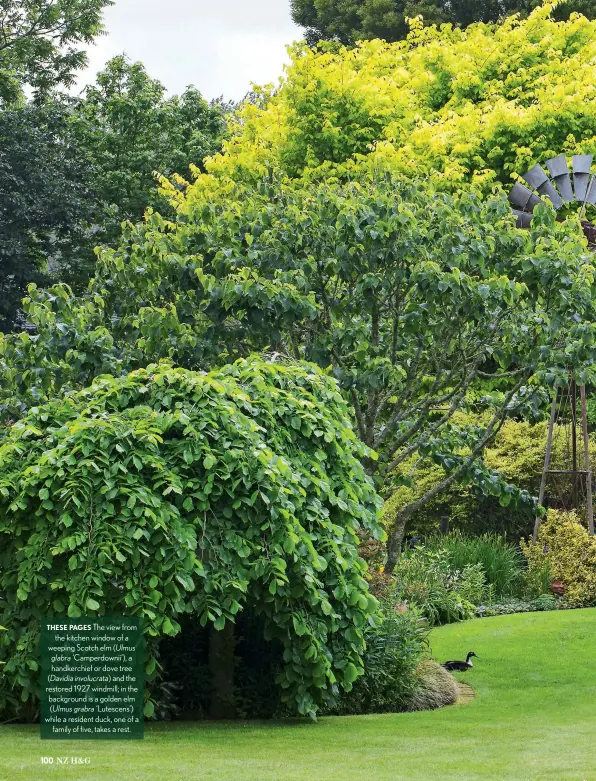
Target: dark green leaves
column 39, row 42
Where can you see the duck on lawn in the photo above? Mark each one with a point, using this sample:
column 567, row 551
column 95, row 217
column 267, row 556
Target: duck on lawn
column 461, row 666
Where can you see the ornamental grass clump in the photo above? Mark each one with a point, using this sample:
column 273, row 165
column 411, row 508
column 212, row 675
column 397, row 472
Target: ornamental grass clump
column 169, row 492
column 501, row 561
column 435, row 687
column 566, row 551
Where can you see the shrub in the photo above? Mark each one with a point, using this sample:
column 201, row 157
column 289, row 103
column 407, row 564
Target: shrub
column 470, row 583
column 569, row 551
column 393, row 653
column 168, row 492
column 501, row 562
column 453, row 577
column 424, row 578
column 435, row 687
column 545, row 602
column 517, row 453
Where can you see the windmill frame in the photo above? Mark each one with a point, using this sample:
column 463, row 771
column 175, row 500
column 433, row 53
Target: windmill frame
column 575, row 473
column 561, row 186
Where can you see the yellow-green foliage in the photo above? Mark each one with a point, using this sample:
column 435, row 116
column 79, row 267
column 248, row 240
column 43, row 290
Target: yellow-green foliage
column 517, row 453
column 480, row 104
column 569, row 552
column 423, row 475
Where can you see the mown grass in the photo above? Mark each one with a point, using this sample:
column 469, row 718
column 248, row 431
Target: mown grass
column 533, row 719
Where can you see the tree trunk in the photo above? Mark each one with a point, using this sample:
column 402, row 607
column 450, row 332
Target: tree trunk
column 221, row 665
column 395, row 542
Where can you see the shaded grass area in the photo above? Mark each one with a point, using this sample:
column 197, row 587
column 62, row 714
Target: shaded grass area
column 533, row 719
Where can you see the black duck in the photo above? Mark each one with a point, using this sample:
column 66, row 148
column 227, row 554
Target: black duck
column 458, row 665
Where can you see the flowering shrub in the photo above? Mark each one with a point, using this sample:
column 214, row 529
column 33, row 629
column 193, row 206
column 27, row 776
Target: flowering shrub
column 569, row 551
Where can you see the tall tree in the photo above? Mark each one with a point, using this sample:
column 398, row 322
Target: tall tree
column 72, row 170
column 40, row 42
column 478, row 105
column 133, row 132
column 348, row 21
column 50, row 211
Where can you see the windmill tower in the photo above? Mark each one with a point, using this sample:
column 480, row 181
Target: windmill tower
column 567, row 476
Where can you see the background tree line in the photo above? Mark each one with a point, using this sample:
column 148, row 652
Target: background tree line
column 72, row 169
column 351, row 21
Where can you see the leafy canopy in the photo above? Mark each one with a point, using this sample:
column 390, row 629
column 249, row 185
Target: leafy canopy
column 134, row 133
column 168, row 492
column 47, row 200
column 474, row 105
column 349, row 21
column 421, row 302
column 72, row 170
column 40, row 43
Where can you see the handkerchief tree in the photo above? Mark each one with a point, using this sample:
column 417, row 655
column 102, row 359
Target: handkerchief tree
column 422, row 303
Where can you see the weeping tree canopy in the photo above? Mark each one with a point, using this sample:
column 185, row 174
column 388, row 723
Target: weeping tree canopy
column 168, row 492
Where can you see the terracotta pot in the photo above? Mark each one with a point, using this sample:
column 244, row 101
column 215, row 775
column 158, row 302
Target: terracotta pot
column 558, row 587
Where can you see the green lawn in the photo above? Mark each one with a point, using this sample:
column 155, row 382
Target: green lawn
column 534, row 718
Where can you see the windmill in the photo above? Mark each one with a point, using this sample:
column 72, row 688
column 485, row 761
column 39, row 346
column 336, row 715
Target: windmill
column 567, row 473
column 560, row 187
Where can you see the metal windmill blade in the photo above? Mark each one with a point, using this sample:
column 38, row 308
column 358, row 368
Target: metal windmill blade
column 559, row 186
column 526, row 200
column 581, row 175
column 524, row 219
column 523, row 197
column 557, row 168
column 538, row 179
